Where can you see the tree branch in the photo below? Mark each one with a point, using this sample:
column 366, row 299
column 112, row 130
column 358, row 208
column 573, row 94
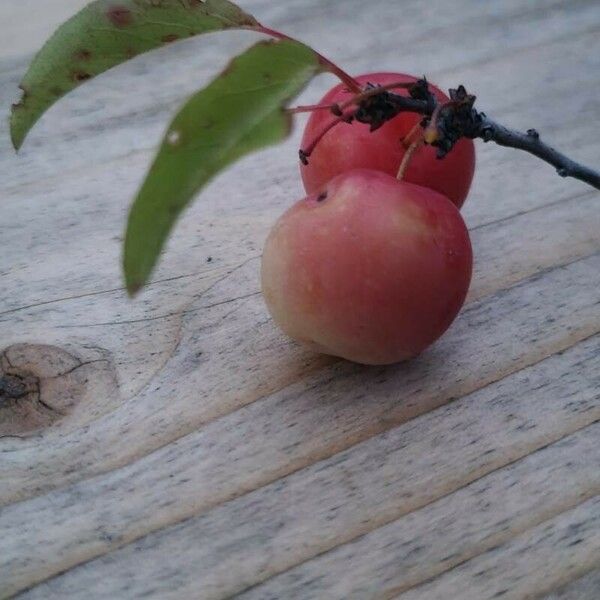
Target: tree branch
column 445, row 124
column 531, row 142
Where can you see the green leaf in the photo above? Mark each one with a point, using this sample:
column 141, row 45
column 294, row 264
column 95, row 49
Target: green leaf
column 241, row 111
column 107, row 33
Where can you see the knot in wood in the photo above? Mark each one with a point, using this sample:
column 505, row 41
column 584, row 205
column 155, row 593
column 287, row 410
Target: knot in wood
column 39, row 385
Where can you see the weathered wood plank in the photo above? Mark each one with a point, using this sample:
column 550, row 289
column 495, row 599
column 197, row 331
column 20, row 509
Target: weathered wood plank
column 585, row 588
column 66, row 459
column 514, row 249
column 295, row 428
column 450, row 531
column 251, row 538
column 536, row 561
column 189, row 398
column 23, row 30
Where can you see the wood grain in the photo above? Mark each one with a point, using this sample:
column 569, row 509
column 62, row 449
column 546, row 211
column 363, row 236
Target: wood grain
column 560, row 548
column 196, row 452
column 252, row 538
column 585, row 588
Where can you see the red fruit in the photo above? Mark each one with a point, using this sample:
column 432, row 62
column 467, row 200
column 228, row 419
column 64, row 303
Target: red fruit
column 353, row 146
column 368, row 268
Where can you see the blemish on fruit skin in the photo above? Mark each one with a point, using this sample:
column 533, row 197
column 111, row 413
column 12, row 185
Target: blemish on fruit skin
column 119, row 16
column 322, row 196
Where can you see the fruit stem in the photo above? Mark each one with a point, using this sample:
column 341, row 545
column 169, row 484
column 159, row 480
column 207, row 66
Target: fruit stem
column 349, row 81
column 431, row 133
column 306, row 152
column 406, row 140
column 407, row 157
column 310, row 108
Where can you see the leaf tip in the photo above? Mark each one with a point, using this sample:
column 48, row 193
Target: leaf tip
column 22, row 119
column 134, row 281
column 17, row 136
column 133, row 288
column 18, row 130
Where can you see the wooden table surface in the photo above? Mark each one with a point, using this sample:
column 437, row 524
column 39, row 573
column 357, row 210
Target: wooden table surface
column 179, row 446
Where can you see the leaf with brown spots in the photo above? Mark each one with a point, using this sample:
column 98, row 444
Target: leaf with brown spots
column 238, row 113
column 107, row 33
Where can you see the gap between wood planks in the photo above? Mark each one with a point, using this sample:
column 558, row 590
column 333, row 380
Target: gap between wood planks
column 491, row 545
column 536, row 585
column 584, row 588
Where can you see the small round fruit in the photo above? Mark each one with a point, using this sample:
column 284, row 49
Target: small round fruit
column 353, row 146
column 367, row 268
